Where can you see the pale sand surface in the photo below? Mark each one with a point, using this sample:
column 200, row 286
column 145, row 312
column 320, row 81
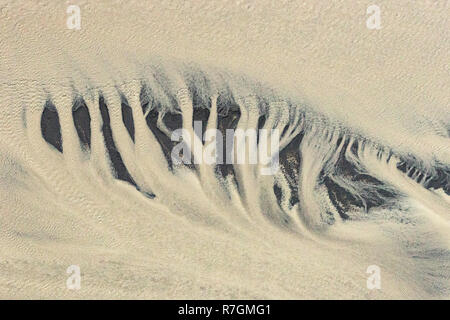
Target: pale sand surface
column 389, row 85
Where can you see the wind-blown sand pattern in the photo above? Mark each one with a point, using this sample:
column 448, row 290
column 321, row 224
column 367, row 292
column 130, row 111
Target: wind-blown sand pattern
column 86, row 176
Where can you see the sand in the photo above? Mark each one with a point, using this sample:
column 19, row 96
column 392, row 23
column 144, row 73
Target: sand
column 386, row 89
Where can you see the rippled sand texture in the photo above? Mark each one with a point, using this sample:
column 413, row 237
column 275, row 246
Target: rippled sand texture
column 365, row 151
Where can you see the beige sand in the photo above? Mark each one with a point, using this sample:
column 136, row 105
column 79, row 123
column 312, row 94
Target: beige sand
column 391, row 85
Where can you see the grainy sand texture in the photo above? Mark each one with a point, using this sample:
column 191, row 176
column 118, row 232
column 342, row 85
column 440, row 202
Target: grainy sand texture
column 93, row 205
